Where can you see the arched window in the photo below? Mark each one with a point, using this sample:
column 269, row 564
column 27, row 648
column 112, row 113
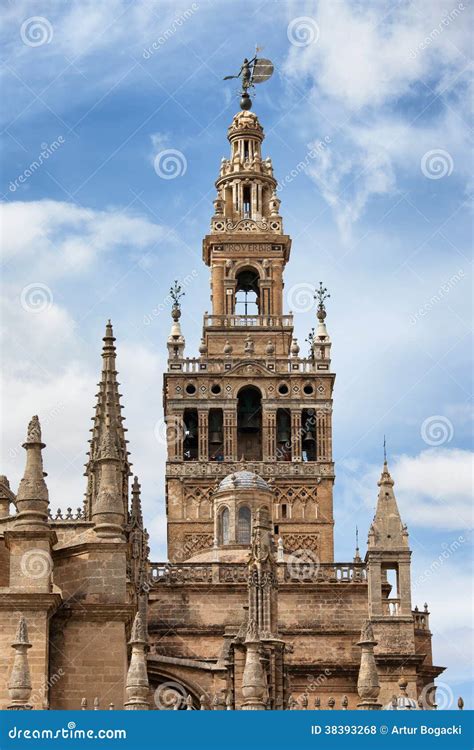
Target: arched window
column 249, row 423
column 247, row 292
column 223, row 526
column 243, row 525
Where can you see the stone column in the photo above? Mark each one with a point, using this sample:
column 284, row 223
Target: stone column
column 404, row 586
column 230, row 434
column 374, row 580
column 296, row 434
column 203, row 433
column 269, row 434
column 218, row 289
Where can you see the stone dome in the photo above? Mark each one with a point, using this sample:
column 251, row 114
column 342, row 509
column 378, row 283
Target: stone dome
column 243, row 480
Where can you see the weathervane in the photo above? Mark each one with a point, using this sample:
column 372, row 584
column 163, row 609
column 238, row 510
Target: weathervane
column 256, row 70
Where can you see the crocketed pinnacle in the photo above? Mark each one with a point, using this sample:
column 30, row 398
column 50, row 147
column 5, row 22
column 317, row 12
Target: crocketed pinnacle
column 108, row 433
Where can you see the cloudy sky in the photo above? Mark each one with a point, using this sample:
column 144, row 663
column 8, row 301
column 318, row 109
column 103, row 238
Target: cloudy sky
column 366, row 120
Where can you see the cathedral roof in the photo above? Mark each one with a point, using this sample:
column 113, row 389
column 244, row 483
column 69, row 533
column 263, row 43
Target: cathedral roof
column 243, row 480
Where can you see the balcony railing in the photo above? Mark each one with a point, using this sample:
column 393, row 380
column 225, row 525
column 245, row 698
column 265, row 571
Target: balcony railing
column 248, row 321
column 288, row 572
column 217, row 364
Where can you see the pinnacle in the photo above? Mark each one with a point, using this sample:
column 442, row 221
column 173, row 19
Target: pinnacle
column 21, row 637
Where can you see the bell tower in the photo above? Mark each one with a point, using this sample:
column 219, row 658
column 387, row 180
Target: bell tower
column 249, row 401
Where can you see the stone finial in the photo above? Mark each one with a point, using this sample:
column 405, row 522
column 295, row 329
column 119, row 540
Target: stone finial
column 345, row 703
column 460, row 703
column 368, row 686
column 189, row 703
column 84, row 704
column 137, row 686
column 19, row 685
column 205, row 703
column 280, row 550
column 253, row 680
column 32, row 496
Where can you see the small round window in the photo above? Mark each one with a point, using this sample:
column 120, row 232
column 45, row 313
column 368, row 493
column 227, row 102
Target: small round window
column 215, row 389
column 191, row 389
column 308, row 389
column 283, row 389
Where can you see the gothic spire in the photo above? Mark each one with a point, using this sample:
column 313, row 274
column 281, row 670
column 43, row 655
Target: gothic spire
column 32, row 496
column 137, row 685
column 19, row 685
column 108, row 432
column 387, row 530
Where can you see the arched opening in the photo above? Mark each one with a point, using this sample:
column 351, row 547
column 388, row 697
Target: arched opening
column 216, row 435
column 223, row 524
column 308, row 438
column 190, row 442
column 247, row 292
column 283, row 435
column 244, row 523
column 249, row 424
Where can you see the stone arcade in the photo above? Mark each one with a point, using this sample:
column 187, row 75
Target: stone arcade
column 251, row 612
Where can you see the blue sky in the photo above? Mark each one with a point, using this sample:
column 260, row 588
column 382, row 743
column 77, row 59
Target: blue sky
column 380, row 214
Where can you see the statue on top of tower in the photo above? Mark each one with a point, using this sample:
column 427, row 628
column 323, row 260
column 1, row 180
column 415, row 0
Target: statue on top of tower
column 256, row 70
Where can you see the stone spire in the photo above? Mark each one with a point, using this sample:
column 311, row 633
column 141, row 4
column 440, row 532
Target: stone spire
column 368, row 686
column 19, row 685
column 387, row 530
column 137, row 686
column 32, row 496
column 137, row 537
column 108, row 433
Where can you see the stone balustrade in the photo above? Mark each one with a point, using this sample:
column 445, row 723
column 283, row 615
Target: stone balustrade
column 288, row 572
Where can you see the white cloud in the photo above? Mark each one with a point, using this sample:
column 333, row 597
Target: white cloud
column 60, row 238
column 433, row 489
column 49, row 368
column 371, row 90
